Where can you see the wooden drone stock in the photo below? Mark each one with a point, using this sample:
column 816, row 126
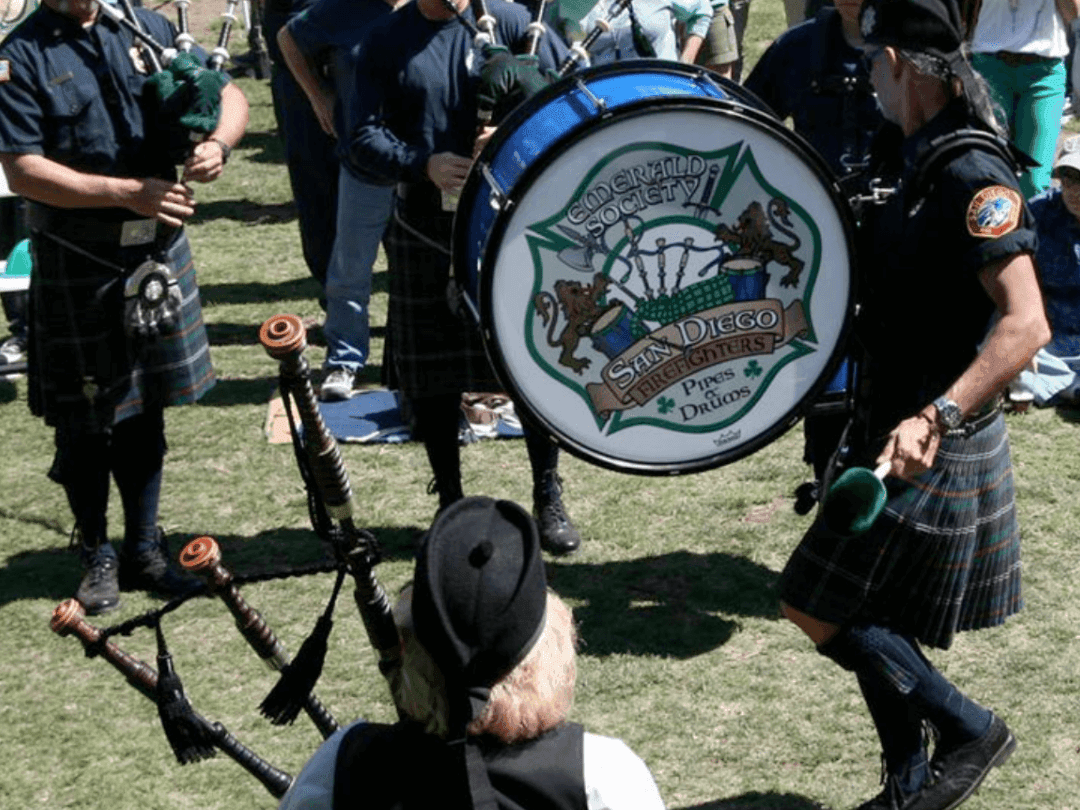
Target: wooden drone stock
column 202, row 556
column 69, row 618
column 284, row 338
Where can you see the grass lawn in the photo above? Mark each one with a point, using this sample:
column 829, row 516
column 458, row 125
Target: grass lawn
column 685, row 656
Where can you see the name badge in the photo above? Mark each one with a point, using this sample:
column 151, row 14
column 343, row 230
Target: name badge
column 136, row 232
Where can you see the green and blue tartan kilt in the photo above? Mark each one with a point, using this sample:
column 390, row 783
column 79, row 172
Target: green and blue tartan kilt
column 433, row 349
column 944, row 555
column 83, row 368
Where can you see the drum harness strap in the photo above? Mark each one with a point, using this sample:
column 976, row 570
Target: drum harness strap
column 927, row 162
column 851, row 89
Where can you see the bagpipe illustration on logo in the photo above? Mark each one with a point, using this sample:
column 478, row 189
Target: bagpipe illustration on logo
column 700, row 275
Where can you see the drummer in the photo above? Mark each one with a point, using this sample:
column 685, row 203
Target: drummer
column 944, row 555
column 416, row 122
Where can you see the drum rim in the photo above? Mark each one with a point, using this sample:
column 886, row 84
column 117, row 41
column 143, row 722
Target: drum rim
column 758, row 118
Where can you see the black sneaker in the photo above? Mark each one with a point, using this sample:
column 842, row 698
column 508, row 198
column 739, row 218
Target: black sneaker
column 149, row 569
column 99, row 590
column 958, row 771
column 557, row 534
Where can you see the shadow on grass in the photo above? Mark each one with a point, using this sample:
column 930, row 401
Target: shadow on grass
column 244, row 211
column 8, row 391
column 268, row 144
column 54, row 573
column 253, row 292
column 758, row 801
column 665, row 605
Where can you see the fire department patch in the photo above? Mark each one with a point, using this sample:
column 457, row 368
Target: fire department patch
column 994, row 211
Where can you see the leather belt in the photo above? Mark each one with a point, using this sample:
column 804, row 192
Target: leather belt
column 87, row 228
column 1016, row 59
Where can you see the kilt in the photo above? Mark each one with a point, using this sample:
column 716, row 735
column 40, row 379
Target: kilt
column 943, row 556
column 83, row 368
column 434, row 350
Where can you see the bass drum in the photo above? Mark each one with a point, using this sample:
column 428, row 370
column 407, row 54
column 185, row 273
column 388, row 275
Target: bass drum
column 660, row 270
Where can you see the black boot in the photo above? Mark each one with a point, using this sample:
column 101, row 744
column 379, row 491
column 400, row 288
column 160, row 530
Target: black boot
column 557, row 534
column 147, row 568
column 99, row 590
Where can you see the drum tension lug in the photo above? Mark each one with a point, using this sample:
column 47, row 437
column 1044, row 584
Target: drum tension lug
column 599, row 103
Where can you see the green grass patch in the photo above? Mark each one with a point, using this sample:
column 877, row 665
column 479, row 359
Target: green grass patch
column 684, row 657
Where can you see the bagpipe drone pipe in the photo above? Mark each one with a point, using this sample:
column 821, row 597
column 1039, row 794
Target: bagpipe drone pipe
column 356, row 552
column 181, row 97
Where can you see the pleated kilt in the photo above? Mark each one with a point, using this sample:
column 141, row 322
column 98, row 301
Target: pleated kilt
column 434, row 350
column 83, row 368
column 943, row 556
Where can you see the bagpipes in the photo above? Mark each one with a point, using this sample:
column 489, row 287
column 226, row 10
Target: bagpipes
column 191, row 736
column 181, row 95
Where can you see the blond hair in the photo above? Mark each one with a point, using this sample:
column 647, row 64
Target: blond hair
column 534, row 697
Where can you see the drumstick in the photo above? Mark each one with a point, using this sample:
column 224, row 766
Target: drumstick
column 202, row 556
column 69, row 618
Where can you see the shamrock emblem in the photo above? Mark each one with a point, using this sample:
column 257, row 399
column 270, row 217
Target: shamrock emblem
column 665, row 404
column 753, row 369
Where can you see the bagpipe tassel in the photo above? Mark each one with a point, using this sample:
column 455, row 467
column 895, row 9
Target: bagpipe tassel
column 299, row 676
column 186, row 732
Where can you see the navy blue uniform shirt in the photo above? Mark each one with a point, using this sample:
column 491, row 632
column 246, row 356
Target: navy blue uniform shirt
column 416, row 87
column 331, row 29
column 74, row 95
column 925, row 309
column 813, row 75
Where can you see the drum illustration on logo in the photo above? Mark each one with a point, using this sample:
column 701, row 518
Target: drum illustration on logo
column 668, row 287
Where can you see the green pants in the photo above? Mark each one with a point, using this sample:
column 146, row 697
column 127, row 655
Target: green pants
column 1031, row 98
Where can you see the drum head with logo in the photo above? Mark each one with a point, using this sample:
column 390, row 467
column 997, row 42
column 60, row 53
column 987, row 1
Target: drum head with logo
column 670, row 287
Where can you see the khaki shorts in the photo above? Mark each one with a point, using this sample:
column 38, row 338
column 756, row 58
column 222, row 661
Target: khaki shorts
column 720, row 46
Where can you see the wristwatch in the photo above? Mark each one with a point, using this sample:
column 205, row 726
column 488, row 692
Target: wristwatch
column 949, row 415
column 226, row 150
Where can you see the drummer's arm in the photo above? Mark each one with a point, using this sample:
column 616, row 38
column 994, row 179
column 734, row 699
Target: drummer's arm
column 1019, row 333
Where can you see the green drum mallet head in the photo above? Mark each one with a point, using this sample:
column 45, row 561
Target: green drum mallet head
column 855, row 500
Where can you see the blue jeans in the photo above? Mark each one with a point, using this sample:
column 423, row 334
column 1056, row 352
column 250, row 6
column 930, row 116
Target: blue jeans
column 362, row 213
column 1032, row 97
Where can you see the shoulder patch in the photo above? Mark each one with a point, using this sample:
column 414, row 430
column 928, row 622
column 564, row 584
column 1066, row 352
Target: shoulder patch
column 5, row 70
column 994, row 211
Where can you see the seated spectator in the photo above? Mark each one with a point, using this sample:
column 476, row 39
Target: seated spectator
column 484, row 688
column 1054, row 379
column 646, row 29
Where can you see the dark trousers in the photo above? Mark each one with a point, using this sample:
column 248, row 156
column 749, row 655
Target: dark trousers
column 311, row 157
column 131, row 452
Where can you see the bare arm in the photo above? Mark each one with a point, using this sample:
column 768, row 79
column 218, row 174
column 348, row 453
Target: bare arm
column 690, row 49
column 303, row 70
column 1019, row 333
column 207, row 160
column 1068, row 10
column 43, row 180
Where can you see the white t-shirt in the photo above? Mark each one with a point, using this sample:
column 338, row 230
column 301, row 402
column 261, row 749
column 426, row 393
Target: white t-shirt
column 1020, row 26
column 615, row 777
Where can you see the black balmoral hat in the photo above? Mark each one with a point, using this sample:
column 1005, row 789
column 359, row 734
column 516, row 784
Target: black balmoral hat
column 924, row 26
column 479, row 593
